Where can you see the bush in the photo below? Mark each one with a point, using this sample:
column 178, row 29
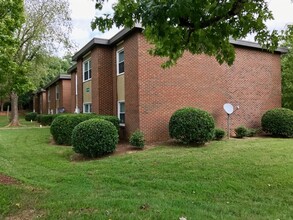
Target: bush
column 137, row 139
column 46, row 120
column 219, row 134
column 251, row 132
column 241, row 132
column 278, row 122
column 94, row 137
column 62, row 126
column 31, row 116
column 191, row 125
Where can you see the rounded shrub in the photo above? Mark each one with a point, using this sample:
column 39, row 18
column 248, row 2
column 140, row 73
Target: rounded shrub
column 31, row 116
column 278, row 122
column 62, row 126
column 219, row 134
column 241, row 132
column 191, row 125
column 94, row 137
column 137, row 139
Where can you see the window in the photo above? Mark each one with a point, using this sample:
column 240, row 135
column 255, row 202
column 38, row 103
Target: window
column 57, row 92
column 87, row 107
column 120, row 61
column 49, row 96
column 121, row 112
column 87, row 70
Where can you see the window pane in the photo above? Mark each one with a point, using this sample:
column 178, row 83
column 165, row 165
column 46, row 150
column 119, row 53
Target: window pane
column 121, row 67
column 121, row 56
column 122, row 118
column 86, row 66
column 90, row 74
column 122, row 107
column 86, row 75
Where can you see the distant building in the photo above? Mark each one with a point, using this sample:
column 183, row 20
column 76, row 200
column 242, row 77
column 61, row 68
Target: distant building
column 55, row 97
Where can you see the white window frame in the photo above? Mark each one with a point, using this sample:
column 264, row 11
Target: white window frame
column 49, row 96
column 87, row 103
column 119, row 111
column 118, row 62
column 87, row 62
column 57, row 90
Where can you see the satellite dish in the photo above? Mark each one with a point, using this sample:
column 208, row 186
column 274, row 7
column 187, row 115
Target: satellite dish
column 228, row 108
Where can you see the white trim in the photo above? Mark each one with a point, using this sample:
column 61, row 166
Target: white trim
column 83, row 107
column 118, row 111
column 57, row 88
column 117, row 61
column 89, row 69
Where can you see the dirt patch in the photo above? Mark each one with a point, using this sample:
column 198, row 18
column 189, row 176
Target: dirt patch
column 7, row 180
column 26, row 215
column 122, row 148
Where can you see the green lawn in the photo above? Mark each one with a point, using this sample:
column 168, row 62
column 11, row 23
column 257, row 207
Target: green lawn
column 235, row 179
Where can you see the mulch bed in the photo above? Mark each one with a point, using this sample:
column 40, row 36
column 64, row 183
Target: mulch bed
column 7, row 180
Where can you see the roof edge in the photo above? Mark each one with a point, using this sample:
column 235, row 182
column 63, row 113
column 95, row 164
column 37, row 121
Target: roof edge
column 255, row 45
column 57, row 78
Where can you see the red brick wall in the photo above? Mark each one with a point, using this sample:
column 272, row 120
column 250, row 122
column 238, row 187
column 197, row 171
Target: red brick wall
column 43, row 97
column 102, row 80
column 253, row 83
column 131, row 54
column 72, row 93
column 65, row 95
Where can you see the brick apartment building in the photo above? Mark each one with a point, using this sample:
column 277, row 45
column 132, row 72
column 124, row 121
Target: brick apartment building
column 54, row 97
column 119, row 77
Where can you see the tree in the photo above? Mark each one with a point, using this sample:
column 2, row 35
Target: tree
column 287, row 69
column 46, row 28
column 11, row 18
column 197, row 26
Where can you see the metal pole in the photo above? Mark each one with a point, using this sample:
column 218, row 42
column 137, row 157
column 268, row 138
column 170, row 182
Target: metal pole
column 228, row 123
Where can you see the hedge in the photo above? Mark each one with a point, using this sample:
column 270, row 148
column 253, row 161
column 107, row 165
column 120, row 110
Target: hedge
column 62, row 126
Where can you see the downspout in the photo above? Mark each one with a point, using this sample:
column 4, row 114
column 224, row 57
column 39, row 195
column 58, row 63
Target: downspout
column 76, row 96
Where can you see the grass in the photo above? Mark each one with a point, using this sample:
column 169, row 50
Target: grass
column 4, row 121
column 235, row 179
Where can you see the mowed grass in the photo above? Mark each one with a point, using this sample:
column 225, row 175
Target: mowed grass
column 235, row 179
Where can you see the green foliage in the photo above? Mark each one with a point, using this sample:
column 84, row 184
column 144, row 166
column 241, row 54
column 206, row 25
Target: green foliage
column 278, row 122
column 137, row 139
column 287, row 69
column 197, row 26
column 241, row 131
column 31, row 116
column 219, row 134
column 191, row 125
column 63, row 125
column 11, row 18
column 94, row 137
column 251, row 132
column 46, row 120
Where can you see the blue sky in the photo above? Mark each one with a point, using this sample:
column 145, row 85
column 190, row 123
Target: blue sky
column 83, row 11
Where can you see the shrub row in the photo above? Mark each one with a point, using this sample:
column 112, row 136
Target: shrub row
column 31, row 116
column 62, row 126
column 46, row 120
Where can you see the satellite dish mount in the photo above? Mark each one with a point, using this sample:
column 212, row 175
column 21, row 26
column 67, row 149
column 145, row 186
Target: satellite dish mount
column 229, row 109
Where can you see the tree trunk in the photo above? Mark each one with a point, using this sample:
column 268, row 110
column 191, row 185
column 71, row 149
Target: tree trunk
column 14, row 110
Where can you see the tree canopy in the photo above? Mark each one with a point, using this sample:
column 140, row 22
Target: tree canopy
column 45, row 28
column 197, row 26
column 287, row 69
